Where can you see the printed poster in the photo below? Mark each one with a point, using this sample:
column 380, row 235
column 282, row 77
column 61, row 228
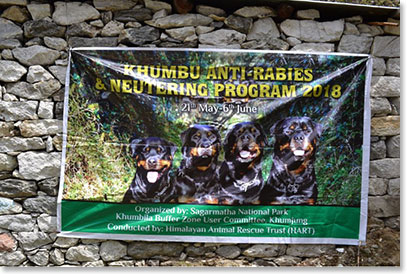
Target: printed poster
column 215, row 146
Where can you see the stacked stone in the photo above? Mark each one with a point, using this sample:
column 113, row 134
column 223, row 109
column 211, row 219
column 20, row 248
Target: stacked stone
column 34, row 37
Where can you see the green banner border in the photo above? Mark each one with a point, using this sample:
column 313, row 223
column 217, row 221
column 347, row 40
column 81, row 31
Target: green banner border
column 208, row 220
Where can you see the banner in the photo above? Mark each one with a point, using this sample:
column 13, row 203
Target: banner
column 215, row 146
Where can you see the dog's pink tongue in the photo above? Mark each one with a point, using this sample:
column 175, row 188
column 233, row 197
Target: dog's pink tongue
column 299, row 152
column 152, row 176
column 244, row 153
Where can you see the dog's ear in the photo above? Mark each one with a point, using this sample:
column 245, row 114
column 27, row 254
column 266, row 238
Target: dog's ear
column 184, row 135
column 318, row 128
column 134, row 144
column 173, row 148
column 275, row 126
column 219, row 141
column 230, row 140
column 263, row 137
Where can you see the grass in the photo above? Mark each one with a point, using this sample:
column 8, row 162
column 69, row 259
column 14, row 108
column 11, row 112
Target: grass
column 98, row 166
column 387, row 3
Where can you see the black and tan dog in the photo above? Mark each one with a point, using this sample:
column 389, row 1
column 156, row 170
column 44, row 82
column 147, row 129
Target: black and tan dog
column 240, row 176
column 196, row 181
column 152, row 183
column 292, row 177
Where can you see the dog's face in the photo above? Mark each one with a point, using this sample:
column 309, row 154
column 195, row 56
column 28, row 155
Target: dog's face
column 296, row 137
column 153, row 157
column 200, row 145
column 244, row 142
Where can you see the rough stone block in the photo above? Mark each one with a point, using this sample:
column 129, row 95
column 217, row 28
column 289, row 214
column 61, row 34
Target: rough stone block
column 18, row 223
column 113, row 5
column 32, row 240
column 386, row 46
column 83, row 253
column 264, row 250
column 12, row 258
column 15, row 144
column 222, row 37
column 393, row 67
column 11, row 71
column 38, row 165
column 377, row 150
column 377, row 186
column 7, row 162
column 264, row 27
column 385, row 126
column 312, row 31
column 380, row 106
column 308, row 250
column 112, row 250
column 393, row 147
column 13, row 188
column 355, row 44
column 41, row 204
column 379, row 66
column 385, row 168
column 385, row 86
column 143, row 250
column 39, row 11
column 394, row 187
column 384, row 206
column 40, row 127
column 68, row 13
column 15, row 111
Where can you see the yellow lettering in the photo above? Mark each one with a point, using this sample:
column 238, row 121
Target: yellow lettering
column 280, row 74
column 241, row 90
column 269, row 74
column 308, row 73
column 275, row 92
column 289, row 92
column 126, row 86
column 142, row 70
column 264, row 91
column 230, row 90
column 169, row 72
column 182, row 72
column 253, row 91
column 218, row 88
column 115, row 85
column 211, row 73
column 203, row 90
column 128, row 70
column 258, row 73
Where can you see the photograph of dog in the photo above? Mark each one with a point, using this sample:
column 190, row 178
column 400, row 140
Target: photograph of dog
column 196, row 179
column 292, row 177
column 240, row 176
column 153, row 159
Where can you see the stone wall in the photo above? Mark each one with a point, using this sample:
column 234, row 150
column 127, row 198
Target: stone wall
column 34, row 37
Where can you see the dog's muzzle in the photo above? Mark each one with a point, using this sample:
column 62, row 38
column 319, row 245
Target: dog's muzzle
column 299, row 145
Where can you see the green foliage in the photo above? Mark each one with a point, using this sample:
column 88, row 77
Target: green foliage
column 97, row 165
column 388, row 3
column 101, row 123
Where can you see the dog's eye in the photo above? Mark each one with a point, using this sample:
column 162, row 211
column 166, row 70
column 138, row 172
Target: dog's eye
column 198, row 134
column 240, row 131
column 253, row 130
column 304, row 128
column 292, row 127
column 159, row 150
column 209, row 134
column 147, row 149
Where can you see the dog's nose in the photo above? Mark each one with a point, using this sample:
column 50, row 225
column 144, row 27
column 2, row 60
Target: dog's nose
column 246, row 137
column 298, row 138
column 206, row 144
column 152, row 161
